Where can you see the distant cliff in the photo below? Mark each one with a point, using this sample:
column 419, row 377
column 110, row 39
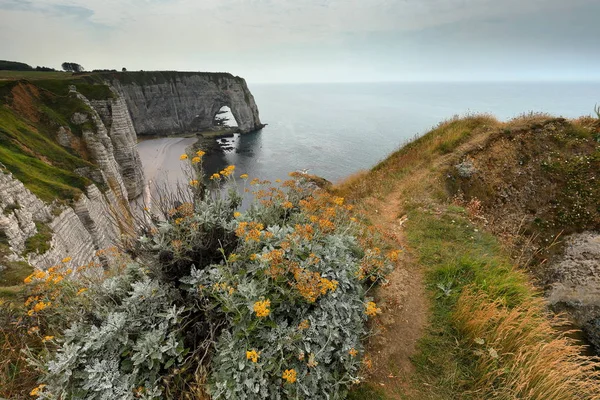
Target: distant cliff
column 68, row 158
column 164, row 103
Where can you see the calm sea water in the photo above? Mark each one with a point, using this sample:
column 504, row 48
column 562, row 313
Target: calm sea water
column 334, row 130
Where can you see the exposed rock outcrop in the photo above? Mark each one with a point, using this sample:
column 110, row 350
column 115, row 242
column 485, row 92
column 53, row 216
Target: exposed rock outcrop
column 77, row 232
column 20, row 209
column 576, row 285
column 115, row 115
column 101, row 148
column 103, row 130
column 164, row 103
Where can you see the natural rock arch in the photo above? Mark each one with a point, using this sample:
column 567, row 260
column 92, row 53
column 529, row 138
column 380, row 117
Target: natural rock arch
column 162, row 103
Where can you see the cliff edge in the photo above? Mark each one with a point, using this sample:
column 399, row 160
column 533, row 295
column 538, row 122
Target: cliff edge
column 165, row 102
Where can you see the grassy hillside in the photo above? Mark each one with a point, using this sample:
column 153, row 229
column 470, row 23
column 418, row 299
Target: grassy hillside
column 472, row 196
column 30, row 118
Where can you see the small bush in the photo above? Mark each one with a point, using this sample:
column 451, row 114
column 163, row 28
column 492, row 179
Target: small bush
column 40, row 242
column 266, row 303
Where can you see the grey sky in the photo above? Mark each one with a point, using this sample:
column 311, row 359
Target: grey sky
column 313, row 40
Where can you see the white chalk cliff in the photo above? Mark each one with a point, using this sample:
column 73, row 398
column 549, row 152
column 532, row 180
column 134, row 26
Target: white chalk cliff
column 142, row 104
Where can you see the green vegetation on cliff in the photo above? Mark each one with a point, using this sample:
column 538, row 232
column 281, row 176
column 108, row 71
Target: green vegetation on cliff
column 475, row 195
column 30, row 119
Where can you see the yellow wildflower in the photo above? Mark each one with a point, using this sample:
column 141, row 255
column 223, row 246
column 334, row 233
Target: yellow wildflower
column 66, row 259
column 353, row 352
column 47, row 338
column 200, row 153
column 183, row 157
column 228, row 170
column 40, row 306
column 196, row 160
column 215, row 176
column 255, row 181
column 371, row 309
column 36, row 391
column 338, row 200
column 393, row 255
column 30, row 300
column 304, row 325
column 28, row 279
column 30, row 313
column 289, row 375
column 194, row 182
column 178, row 221
column 233, row 257
column 80, row 291
column 253, row 257
column 236, row 214
column 40, row 275
column 252, row 355
column 261, row 308
column 33, row 329
column 287, row 205
column 244, row 176
column 312, row 362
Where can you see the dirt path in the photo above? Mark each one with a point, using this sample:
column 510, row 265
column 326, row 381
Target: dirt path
column 404, row 304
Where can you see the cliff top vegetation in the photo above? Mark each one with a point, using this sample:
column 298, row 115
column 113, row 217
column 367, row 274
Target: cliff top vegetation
column 478, row 204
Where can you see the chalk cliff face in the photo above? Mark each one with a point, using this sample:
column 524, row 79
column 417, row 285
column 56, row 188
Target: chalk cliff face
column 116, row 119
column 102, row 130
column 77, row 231
column 170, row 103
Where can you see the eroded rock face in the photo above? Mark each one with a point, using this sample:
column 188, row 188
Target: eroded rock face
column 175, row 103
column 101, row 148
column 19, row 210
column 76, row 232
column 186, row 102
column 576, row 284
column 115, row 115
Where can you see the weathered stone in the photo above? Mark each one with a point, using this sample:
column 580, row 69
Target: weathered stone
column 63, row 137
column 188, row 102
column 79, row 118
column 69, row 239
column 576, row 284
column 102, row 151
column 466, row 169
column 116, row 117
column 19, row 224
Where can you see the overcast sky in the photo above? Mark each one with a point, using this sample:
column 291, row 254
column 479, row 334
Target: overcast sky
column 313, row 40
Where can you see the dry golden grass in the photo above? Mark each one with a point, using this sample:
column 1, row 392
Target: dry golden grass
column 534, row 359
column 420, row 154
column 17, row 377
column 519, row 353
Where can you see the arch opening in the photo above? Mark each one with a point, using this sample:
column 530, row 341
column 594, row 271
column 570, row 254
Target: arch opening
column 224, row 119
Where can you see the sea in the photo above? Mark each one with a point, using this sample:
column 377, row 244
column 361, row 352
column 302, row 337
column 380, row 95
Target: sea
column 335, row 130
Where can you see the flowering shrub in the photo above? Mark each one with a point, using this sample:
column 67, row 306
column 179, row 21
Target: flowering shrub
column 269, row 300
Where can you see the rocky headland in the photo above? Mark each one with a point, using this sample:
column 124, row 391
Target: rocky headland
column 69, row 160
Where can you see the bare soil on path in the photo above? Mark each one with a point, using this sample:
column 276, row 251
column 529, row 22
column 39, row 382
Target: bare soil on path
column 404, row 305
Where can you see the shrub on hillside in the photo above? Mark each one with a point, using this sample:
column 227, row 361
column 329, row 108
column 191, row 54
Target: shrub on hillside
column 265, row 303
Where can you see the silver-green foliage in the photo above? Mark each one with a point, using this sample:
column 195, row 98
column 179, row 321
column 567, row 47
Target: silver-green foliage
column 126, row 339
column 199, row 276
column 320, row 354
